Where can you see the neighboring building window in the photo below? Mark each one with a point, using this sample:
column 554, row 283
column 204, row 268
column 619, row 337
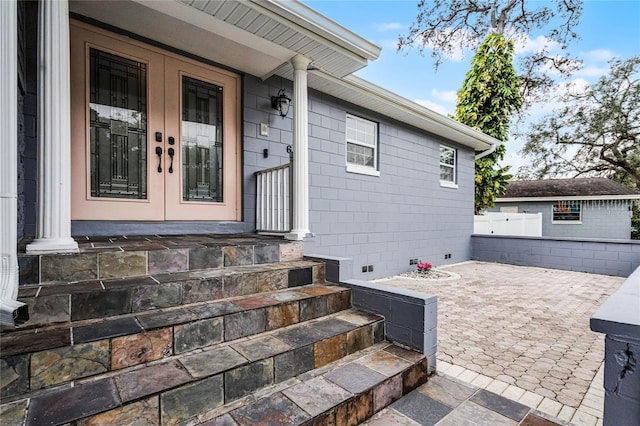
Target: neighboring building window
column 362, row 146
column 448, row 166
column 567, row 213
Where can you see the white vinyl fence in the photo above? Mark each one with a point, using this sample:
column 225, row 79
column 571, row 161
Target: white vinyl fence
column 516, row 224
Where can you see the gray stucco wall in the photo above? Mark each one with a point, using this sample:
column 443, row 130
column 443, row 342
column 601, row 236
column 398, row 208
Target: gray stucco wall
column 606, row 220
column 383, row 221
column 608, row 257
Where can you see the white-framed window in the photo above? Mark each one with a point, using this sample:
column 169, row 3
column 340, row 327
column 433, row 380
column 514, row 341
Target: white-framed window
column 362, row 146
column 448, row 158
column 566, row 212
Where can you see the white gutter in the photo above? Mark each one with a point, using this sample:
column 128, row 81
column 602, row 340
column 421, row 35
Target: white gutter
column 491, row 150
column 570, row 198
column 11, row 311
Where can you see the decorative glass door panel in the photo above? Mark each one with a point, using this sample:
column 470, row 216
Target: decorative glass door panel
column 155, row 136
column 201, row 140
column 202, row 115
column 117, row 126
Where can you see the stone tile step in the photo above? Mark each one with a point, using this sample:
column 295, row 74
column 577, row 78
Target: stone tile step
column 332, row 356
column 130, row 256
column 51, row 356
column 94, row 299
column 346, row 392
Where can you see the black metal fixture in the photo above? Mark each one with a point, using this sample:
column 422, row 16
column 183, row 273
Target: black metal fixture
column 282, row 103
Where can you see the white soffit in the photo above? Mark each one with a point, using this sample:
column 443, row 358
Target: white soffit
column 253, row 36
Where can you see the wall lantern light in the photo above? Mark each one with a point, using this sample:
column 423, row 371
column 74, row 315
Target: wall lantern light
column 282, row 103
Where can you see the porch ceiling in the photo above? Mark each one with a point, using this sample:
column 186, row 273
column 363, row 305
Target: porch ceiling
column 256, row 37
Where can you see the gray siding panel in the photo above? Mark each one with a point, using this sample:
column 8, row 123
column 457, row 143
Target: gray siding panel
column 599, row 219
column 383, row 220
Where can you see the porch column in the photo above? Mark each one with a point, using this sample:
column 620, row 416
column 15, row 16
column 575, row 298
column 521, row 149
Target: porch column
column 300, row 196
column 9, row 163
column 53, row 231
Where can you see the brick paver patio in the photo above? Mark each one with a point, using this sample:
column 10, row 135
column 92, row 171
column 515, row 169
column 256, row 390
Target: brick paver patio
column 522, row 332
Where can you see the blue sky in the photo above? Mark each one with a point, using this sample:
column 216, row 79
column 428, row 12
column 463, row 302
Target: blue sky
column 608, row 29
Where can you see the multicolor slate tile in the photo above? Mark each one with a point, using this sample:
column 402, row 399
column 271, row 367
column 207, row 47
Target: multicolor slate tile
column 293, row 363
column 159, row 296
column 140, row 348
column 269, row 253
column 506, row 407
column 68, row 267
column 197, row 334
column 355, row 378
column 14, row 375
column 105, row 330
column 122, row 264
column 205, row 258
column 68, row 363
column 163, row 261
column 14, row 413
column 421, row 408
column 238, row 255
column 47, row 310
column 481, row 416
column 143, row 382
column 447, row 391
column 240, row 284
column 243, row 380
column 186, row 402
column 244, row 324
column 384, row 363
column 330, row 350
column 29, row 341
column 272, row 280
column 100, row 304
column 282, row 315
column 355, row 410
column 140, row 413
column 261, row 347
column 273, row 410
column 200, row 290
column 66, row 405
column 317, row 395
column 291, row 251
column 387, row 392
column 213, row 361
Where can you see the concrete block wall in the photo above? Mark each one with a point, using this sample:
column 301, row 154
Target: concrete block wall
column 382, row 221
column 411, row 318
column 608, row 257
column 619, row 319
column 610, row 220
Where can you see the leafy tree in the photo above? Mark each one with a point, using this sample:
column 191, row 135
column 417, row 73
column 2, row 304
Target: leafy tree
column 446, row 27
column 490, row 27
column 595, row 132
column 489, row 95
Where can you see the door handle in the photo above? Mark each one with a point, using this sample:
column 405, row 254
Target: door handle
column 171, row 152
column 159, row 154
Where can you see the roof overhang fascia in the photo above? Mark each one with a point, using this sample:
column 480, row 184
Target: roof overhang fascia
column 311, row 20
column 570, row 198
column 353, row 88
